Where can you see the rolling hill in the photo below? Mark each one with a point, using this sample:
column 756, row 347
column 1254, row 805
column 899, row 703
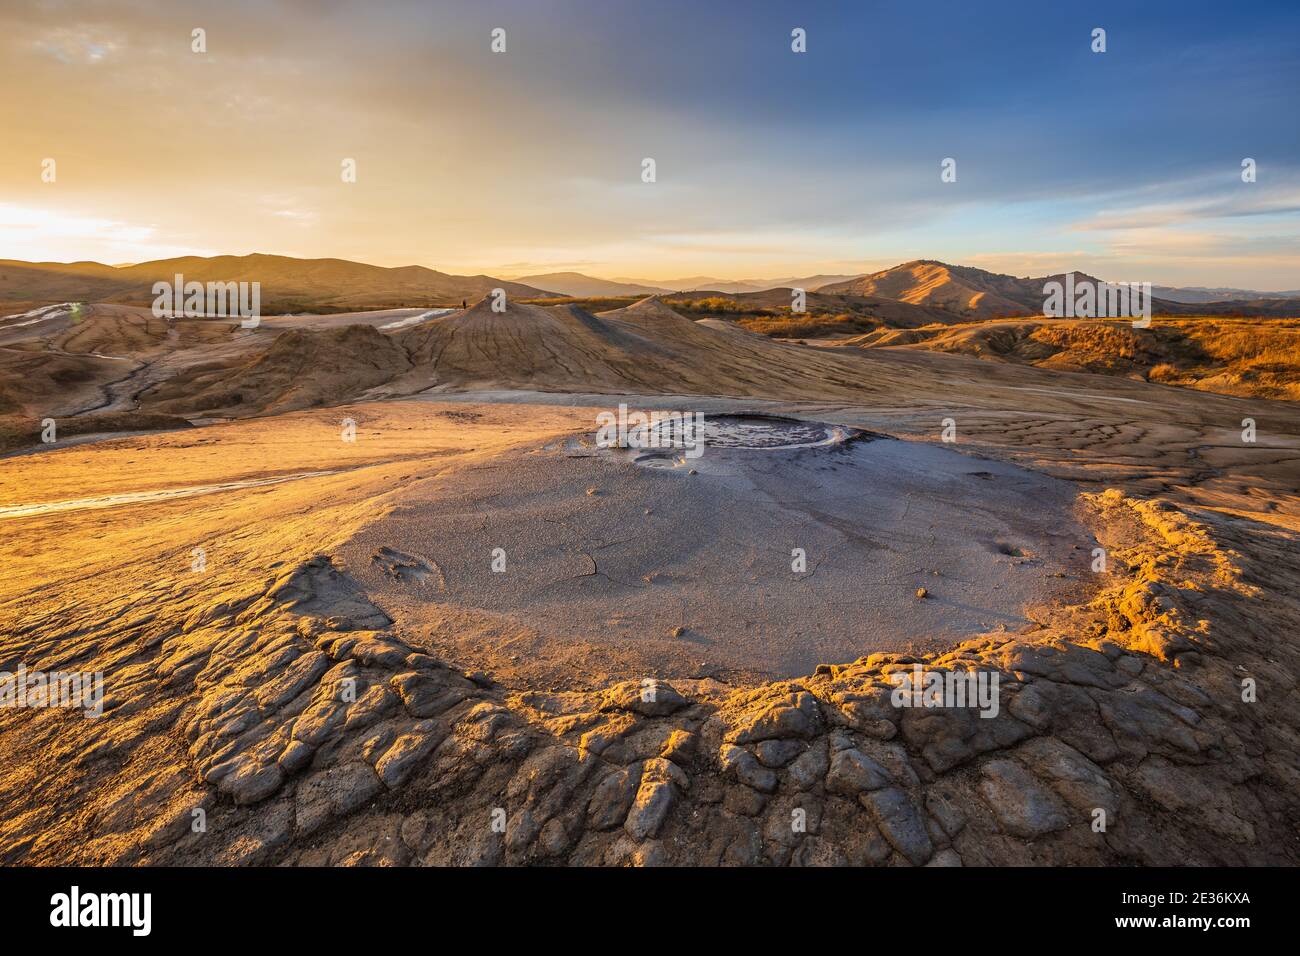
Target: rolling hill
column 739, row 286
column 976, row 294
column 1243, row 357
column 961, row 290
column 1201, row 294
column 173, row 370
column 287, row 284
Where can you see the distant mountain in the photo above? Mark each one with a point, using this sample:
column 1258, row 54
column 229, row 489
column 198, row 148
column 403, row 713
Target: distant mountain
column 816, row 283
column 287, row 284
column 1202, row 294
column 711, row 283
column 290, row 285
column 978, row 294
column 583, row 286
column 961, row 290
column 736, row 286
column 578, row 284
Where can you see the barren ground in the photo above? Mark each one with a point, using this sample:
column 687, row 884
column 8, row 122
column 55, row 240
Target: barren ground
column 348, row 681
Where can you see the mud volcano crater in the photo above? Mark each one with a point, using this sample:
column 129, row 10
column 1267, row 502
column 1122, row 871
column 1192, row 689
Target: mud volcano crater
column 761, row 433
column 780, row 544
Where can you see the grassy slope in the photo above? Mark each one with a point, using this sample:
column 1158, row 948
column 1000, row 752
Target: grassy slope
column 1246, row 357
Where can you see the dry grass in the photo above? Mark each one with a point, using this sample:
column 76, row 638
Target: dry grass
column 589, row 303
column 1113, row 342
column 809, row 326
column 1250, row 341
column 1251, row 357
column 778, row 322
column 1257, row 357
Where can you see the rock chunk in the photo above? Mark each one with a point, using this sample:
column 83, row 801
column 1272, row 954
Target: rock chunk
column 900, row 823
column 794, row 715
column 613, row 798
column 1022, row 807
column 407, row 751
column 853, row 772
column 650, row 698
column 742, row 764
column 778, row 753
column 809, row 768
column 1078, row 780
column 655, row 797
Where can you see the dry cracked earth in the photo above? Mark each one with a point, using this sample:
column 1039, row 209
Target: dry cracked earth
column 345, row 681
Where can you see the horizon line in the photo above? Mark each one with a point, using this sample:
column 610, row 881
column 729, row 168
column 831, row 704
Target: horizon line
column 509, row 276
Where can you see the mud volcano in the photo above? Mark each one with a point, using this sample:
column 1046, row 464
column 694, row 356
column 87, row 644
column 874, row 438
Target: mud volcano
column 763, row 433
column 664, row 443
column 784, row 544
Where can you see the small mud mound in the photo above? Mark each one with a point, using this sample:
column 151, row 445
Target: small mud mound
column 302, row 368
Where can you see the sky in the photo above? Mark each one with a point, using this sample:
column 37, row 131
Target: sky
column 768, row 163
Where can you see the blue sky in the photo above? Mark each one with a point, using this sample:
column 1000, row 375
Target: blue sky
column 1125, row 164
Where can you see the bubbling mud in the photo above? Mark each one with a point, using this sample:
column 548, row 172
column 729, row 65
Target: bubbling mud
column 661, row 446
column 763, row 433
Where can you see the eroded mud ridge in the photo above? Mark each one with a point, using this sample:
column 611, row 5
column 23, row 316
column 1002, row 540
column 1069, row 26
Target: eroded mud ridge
column 308, row 733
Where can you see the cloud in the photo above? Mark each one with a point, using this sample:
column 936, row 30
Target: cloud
column 768, row 162
column 41, row 224
column 42, row 234
column 77, row 45
column 1204, row 199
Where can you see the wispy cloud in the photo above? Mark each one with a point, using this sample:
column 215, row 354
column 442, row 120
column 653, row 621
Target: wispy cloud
column 768, row 162
column 88, row 45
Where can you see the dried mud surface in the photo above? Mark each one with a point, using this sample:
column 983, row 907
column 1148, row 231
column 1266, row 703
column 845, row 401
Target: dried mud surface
column 317, row 696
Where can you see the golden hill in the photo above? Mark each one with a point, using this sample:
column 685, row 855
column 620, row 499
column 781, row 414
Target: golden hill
column 1246, row 357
